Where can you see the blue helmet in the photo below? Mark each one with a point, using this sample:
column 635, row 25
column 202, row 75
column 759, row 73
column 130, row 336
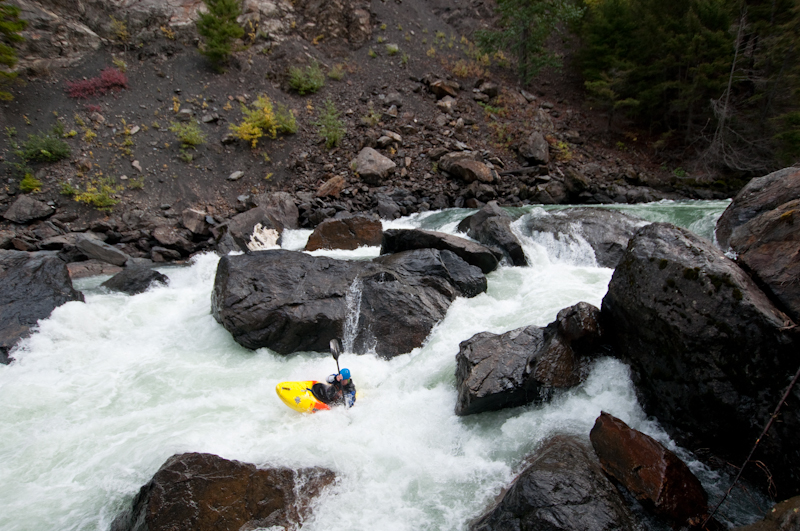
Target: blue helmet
column 345, row 373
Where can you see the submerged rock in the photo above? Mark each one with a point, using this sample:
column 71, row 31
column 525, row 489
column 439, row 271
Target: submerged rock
column 204, row 492
column 563, row 488
column 290, row 301
column 527, row 364
column 606, row 231
column 135, row 279
column 653, row 474
column 709, row 353
column 32, row 285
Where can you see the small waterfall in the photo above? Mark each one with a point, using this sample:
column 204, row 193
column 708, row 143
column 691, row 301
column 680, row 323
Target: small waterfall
column 566, row 247
column 353, row 301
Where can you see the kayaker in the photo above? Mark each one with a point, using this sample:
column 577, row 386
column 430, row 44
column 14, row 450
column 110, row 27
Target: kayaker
column 341, row 390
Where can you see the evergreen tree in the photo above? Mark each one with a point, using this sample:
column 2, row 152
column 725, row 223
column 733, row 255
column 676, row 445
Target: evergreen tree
column 525, row 27
column 219, row 28
column 10, row 26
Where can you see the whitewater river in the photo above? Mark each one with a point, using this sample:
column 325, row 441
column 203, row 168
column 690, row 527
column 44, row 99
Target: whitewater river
column 104, row 392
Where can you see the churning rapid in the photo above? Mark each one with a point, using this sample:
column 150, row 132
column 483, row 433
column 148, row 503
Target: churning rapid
column 104, row 392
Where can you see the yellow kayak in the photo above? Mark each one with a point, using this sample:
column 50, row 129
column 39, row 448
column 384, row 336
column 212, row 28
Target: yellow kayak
column 298, row 396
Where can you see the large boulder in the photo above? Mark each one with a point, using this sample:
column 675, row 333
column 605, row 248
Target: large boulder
column 651, row 472
column 711, row 355
column 32, row 285
column 135, row 279
column 397, row 240
column 606, row 231
column 535, row 149
column 346, row 233
column 372, row 167
column 563, row 488
column 768, row 246
column 289, row 301
column 491, row 226
column 204, row 492
column 527, row 364
column 760, row 195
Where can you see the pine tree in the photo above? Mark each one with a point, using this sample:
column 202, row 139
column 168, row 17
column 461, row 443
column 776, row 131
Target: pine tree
column 10, row 26
column 219, row 28
column 525, row 27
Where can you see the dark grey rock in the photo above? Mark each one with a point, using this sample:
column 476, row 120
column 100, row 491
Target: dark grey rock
column 27, row 209
column 291, row 301
column 204, row 492
column 563, row 488
column 527, row 364
column 32, row 285
column 134, row 280
column 99, row 250
column 397, row 240
column 492, row 227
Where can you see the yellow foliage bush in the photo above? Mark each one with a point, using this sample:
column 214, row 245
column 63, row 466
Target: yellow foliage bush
column 260, row 119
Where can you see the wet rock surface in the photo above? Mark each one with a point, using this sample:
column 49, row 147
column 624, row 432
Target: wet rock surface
column 204, row 492
column 564, row 487
column 527, row 364
column 492, row 227
column 606, row 231
column 289, row 301
column 652, row 473
column 135, row 279
column 32, row 285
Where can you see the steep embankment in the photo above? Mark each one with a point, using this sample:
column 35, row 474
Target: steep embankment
column 122, row 141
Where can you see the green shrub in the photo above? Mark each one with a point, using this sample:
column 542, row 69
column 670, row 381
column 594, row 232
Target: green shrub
column 336, row 73
column 331, row 128
column 189, row 134
column 392, row 49
column 45, row 147
column 99, row 194
column 306, row 80
column 261, row 119
column 372, row 118
column 29, row 183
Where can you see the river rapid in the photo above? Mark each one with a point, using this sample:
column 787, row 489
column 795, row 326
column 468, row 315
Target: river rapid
column 105, row 391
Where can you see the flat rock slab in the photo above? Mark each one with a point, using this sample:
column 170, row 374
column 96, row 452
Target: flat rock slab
column 397, row 240
column 204, row 492
column 26, row 209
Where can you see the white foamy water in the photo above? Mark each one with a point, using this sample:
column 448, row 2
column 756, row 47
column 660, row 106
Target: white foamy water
column 104, row 392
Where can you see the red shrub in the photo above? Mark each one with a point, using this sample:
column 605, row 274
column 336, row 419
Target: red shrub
column 110, row 79
column 92, row 108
